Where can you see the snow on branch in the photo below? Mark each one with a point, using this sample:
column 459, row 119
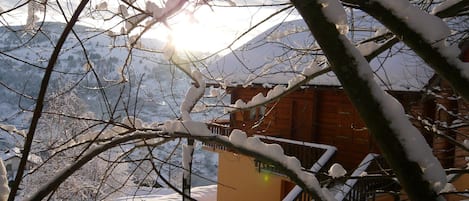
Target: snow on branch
column 368, row 49
column 162, row 13
column 12, row 129
column 52, row 184
column 196, row 91
column 128, row 126
column 193, row 95
column 4, row 189
column 450, row 8
column 279, row 91
column 253, row 147
column 189, row 127
column 432, row 127
column 336, row 14
column 187, row 151
column 409, row 136
column 426, row 34
column 238, row 141
column 151, row 10
column 444, row 5
column 405, row 148
column 430, row 27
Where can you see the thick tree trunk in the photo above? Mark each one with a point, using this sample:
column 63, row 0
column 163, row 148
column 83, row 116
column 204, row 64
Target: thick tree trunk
column 345, row 66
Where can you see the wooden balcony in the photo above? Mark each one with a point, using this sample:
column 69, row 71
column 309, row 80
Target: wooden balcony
column 307, row 153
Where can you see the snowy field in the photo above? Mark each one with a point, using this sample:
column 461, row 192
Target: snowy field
column 201, row 193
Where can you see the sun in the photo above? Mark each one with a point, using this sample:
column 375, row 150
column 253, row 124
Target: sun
column 196, row 36
column 204, row 30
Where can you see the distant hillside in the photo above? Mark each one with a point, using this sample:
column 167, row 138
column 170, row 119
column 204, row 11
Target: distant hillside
column 24, row 56
column 153, row 91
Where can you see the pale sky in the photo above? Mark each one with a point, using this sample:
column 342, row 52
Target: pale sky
column 209, row 29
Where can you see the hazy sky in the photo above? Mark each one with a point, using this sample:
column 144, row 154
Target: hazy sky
column 204, row 28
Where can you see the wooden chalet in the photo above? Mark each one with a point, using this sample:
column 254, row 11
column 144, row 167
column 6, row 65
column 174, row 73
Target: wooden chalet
column 318, row 113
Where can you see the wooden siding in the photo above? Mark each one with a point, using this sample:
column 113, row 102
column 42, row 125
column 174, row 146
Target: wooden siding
column 316, row 114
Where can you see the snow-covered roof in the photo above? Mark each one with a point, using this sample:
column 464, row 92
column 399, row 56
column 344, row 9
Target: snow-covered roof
column 285, row 50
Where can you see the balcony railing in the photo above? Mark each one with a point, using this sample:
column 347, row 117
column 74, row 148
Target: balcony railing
column 307, row 153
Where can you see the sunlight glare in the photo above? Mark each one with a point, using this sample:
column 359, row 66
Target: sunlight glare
column 193, row 36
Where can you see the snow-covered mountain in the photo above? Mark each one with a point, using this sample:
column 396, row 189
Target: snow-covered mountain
column 154, row 88
column 25, row 55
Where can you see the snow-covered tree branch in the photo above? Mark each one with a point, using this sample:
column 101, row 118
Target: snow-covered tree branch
column 117, row 99
column 384, row 116
column 427, row 39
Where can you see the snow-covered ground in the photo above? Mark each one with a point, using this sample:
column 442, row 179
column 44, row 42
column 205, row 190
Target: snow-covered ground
column 201, row 193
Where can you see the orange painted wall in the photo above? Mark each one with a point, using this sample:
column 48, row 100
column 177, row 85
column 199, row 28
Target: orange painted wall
column 239, row 180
